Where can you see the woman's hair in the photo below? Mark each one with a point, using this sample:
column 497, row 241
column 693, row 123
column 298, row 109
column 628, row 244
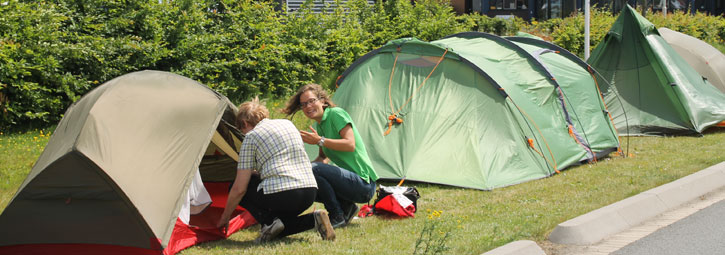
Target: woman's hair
column 293, row 105
column 251, row 112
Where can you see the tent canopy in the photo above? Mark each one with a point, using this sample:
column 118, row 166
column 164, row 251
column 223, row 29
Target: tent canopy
column 478, row 111
column 117, row 167
column 705, row 59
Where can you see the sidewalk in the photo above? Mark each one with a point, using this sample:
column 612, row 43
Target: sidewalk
column 631, row 218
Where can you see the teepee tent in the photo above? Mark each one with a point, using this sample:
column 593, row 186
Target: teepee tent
column 707, row 60
column 116, row 171
column 472, row 110
column 660, row 92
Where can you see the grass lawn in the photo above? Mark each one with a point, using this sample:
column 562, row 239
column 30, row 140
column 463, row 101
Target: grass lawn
column 477, row 221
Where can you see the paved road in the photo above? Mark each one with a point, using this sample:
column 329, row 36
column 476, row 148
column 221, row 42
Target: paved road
column 707, row 210
column 700, row 233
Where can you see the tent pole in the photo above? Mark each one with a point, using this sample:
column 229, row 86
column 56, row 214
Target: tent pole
column 664, row 8
column 587, row 13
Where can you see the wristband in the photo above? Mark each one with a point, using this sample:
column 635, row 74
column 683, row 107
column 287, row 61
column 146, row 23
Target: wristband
column 321, row 142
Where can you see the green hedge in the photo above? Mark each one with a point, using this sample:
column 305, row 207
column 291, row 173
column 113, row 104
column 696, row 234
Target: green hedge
column 53, row 52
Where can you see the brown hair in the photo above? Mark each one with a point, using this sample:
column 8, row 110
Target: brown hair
column 251, row 112
column 293, row 105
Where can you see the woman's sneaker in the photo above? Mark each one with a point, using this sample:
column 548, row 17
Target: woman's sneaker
column 337, row 221
column 350, row 213
column 269, row 232
column 323, row 226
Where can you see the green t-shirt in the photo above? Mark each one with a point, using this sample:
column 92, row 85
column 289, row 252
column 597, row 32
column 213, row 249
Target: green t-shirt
column 357, row 161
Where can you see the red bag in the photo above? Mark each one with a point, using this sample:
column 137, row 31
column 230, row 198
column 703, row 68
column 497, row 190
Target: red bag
column 365, row 211
column 396, row 204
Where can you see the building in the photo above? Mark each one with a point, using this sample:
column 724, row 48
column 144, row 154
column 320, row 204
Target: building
column 547, row 9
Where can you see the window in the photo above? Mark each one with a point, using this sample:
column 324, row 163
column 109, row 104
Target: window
column 508, row 5
column 550, row 9
column 678, row 5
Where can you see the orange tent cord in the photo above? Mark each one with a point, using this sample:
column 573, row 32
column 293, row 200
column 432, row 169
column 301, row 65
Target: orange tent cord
column 393, row 118
column 542, row 137
column 401, row 182
column 596, row 83
column 390, row 96
column 531, row 144
column 571, row 131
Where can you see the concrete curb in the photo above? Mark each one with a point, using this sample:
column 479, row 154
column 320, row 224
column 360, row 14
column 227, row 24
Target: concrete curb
column 603, row 222
column 523, row 247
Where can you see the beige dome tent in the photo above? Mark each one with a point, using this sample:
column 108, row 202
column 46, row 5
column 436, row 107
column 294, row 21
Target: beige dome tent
column 707, row 60
column 116, row 171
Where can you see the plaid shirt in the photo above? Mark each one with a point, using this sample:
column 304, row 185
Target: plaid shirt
column 274, row 148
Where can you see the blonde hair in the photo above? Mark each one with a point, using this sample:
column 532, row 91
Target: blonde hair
column 293, row 104
column 251, row 112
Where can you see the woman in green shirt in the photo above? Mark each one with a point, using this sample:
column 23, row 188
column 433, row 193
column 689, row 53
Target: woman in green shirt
column 353, row 178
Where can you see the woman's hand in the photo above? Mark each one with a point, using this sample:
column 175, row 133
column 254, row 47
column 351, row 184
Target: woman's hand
column 239, row 188
column 346, row 143
column 223, row 224
column 310, row 137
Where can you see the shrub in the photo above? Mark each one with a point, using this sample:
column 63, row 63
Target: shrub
column 52, row 52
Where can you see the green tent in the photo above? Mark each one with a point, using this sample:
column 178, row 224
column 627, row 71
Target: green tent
column 476, row 110
column 660, row 92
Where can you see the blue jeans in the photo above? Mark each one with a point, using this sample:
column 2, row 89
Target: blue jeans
column 338, row 188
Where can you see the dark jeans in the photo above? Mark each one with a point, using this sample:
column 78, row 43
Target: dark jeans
column 285, row 205
column 339, row 188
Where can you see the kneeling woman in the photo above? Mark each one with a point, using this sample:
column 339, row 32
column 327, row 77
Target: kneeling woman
column 274, row 180
column 354, row 180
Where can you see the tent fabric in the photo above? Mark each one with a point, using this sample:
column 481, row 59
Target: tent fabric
column 117, row 168
column 481, row 112
column 580, row 88
column 705, row 59
column 653, row 90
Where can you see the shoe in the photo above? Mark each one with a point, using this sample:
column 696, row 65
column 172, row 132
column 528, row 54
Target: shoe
column 350, row 213
column 338, row 222
column 323, row 226
column 269, row 232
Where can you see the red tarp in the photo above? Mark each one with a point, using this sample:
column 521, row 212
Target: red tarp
column 202, row 228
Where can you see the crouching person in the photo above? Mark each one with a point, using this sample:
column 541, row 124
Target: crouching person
column 274, row 180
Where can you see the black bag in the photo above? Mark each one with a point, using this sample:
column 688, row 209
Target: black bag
column 409, row 192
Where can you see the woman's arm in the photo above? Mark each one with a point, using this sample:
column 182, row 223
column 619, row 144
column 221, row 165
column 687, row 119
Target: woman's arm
column 321, row 157
column 235, row 195
column 345, row 143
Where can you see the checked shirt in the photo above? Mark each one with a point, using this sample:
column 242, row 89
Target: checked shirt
column 275, row 149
